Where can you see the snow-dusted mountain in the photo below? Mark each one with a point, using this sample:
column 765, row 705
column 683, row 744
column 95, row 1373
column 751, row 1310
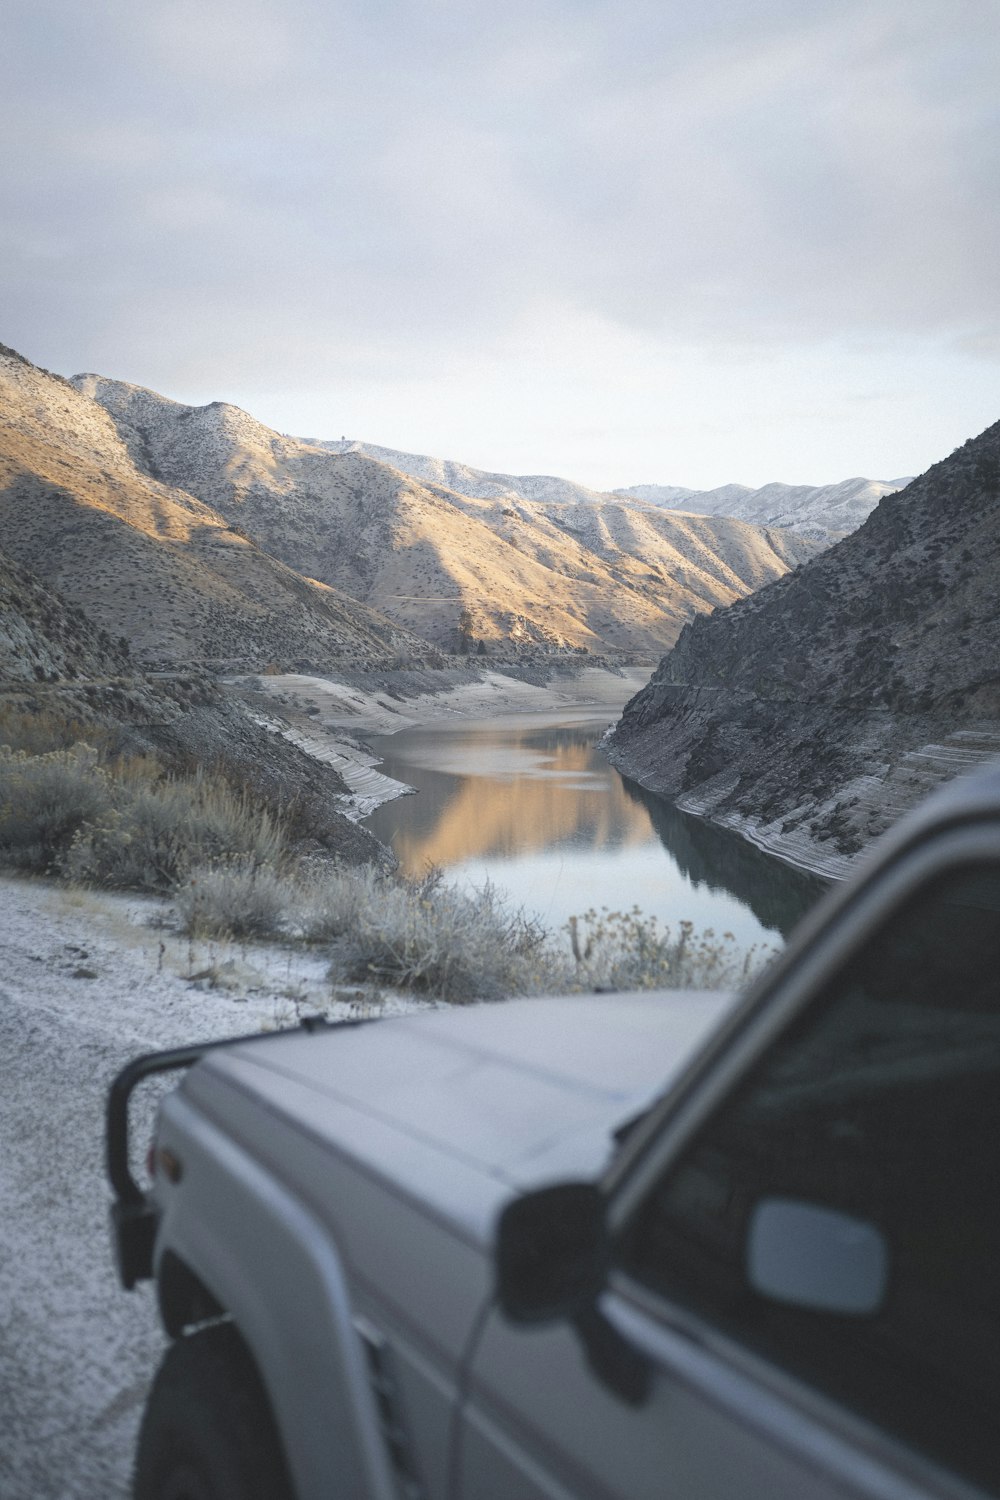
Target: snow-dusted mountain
column 811, row 509
column 465, row 480
column 147, row 560
column 485, row 565
column 823, row 511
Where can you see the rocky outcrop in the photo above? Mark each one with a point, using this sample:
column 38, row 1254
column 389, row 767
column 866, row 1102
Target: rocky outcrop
column 811, row 714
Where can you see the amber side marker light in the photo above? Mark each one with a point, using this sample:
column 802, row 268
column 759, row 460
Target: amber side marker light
column 162, row 1159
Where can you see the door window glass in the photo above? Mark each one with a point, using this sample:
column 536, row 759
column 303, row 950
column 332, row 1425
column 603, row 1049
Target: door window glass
column 873, row 1122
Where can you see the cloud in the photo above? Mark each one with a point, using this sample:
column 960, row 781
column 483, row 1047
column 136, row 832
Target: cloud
column 230, row 186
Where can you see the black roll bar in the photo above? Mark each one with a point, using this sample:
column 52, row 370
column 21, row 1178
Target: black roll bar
column 126, row 1189
column 133, row 1212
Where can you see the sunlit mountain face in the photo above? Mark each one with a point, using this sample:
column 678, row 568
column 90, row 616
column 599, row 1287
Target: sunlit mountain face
column 463, row 563
column 148, row 560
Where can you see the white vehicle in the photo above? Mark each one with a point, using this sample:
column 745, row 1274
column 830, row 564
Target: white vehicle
column 620, row 1246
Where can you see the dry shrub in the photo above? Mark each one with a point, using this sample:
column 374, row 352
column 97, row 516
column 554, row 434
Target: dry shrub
column 39, row 731
column 235, row 898
column 420, row 936
column 443, row 942
column 378, row 928
column 45, row 800
column 160, row 831
column 615, row 950
column 337, row 900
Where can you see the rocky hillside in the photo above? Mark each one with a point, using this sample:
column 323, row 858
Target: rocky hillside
column 63, row 678
column 457, row 568
column 824, row 511
column 811, row 714
column 43, row 639
column 148, row 561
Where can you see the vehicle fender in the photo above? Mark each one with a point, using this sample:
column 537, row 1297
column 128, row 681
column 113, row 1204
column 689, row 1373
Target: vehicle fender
column 272, row 1265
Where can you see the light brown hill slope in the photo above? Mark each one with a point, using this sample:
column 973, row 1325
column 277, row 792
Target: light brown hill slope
column 607, row 576
column 146, row 560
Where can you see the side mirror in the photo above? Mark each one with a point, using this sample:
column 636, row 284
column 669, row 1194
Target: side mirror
column 552, row 1253
column 816, row 1258
column 553, row 1256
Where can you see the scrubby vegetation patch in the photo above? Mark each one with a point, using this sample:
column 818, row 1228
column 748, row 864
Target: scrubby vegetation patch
column 87, row 813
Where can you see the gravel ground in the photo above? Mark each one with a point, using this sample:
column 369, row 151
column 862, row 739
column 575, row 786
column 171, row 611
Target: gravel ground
column 85, row 984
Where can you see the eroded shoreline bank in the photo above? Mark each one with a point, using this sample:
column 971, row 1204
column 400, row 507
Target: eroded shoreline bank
column 328, row 719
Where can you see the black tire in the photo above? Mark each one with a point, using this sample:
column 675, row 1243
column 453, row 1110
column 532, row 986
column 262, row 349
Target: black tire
column 208, row 1432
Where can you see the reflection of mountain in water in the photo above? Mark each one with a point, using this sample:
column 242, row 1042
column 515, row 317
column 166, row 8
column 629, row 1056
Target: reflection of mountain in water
column 536, row 790
column 777, row 894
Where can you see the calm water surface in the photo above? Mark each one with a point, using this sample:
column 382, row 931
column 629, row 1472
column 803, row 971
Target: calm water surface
column 530, row 803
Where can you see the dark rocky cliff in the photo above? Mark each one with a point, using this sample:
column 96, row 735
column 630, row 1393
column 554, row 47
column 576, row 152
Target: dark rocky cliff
column 810, row 714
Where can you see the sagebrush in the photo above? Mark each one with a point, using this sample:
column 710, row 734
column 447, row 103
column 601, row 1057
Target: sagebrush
column 157, row 832
column 128, row 825
column 422, row 936
column 629, row 950
column 45, row 800
column 229, row 862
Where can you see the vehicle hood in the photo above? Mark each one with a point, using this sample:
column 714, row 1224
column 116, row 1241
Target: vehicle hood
column 455, row 1103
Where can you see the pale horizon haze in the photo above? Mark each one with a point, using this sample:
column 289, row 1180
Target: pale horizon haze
column 630, row 243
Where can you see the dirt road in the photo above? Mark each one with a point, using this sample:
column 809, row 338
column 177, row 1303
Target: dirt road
column 84, row 986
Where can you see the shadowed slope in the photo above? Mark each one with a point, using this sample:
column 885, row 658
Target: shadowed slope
column 813, row 713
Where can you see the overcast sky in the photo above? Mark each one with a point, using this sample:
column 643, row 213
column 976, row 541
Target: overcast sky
column 624, row 241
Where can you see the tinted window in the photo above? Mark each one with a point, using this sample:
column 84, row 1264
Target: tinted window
column 882, row 1102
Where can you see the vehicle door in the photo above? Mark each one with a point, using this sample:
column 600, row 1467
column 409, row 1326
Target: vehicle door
column 806, row 1254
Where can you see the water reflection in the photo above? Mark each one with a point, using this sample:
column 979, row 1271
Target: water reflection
column 533, row 805
column 491, row 793
column 776, row 893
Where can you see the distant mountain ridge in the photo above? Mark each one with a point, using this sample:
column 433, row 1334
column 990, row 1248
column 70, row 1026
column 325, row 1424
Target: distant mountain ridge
column 811, row 714
column 201, row 536
column 466, row 480
column 812, row 509
column 823, row 511
column 493, row 571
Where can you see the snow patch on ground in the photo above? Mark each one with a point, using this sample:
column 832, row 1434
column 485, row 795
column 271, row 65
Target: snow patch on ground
column 87, row 981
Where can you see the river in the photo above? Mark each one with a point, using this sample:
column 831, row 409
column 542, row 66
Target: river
column 530, row 803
